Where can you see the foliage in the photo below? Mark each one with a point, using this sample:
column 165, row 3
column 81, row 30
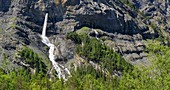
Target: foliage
column 5, row 64
column 94, row 50
column 84, row 78
column 87, row 78
column 33, row 59
column 83, row 30
column 23, row 80
column 153, row 26
column 74, row 37
column 153, row 77
column 161, row 62
column 128, row 3
column 13, row 25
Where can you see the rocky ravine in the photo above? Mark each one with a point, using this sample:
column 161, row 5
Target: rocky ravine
column 21, row 24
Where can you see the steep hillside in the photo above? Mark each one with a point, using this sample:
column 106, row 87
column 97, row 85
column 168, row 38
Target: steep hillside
column 109, row 36
column 21, row 23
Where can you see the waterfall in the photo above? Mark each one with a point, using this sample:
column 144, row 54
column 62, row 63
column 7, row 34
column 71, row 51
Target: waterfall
column 60, row 69
column 96, row 33
column 45, row 25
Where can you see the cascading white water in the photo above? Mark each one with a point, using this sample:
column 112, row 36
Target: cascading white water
column 96, row 34
column 61, row 70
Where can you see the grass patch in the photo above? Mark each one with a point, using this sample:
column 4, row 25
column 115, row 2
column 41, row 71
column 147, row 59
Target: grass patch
column 13, row 24
column 83, row 30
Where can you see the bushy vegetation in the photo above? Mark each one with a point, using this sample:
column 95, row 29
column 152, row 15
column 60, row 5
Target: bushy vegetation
column 83, row 30
column 92, row 49
column 153, row 77
column 83, row 79
column 23, row 80
column 33, row 59
column 75, row 37
column 86, row 78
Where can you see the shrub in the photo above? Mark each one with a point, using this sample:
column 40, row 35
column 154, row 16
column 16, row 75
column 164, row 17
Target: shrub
column 33, row 59
column 94, row 50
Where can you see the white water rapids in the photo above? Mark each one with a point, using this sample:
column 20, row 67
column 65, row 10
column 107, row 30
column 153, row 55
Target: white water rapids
column 60, row 69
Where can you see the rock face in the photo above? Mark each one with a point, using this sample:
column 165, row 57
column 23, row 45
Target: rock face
column 21, row 23
column 113, row 17
column 130, row 47
column 156, row 11
column 111, row 20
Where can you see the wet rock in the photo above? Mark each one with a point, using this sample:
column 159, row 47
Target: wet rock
column 65, row 49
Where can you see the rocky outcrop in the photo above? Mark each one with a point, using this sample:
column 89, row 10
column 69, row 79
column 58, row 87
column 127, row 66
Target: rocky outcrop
column 132, row 48
column 64, row 50
column 155, row 12
column 112, row 17
column 21, row 23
